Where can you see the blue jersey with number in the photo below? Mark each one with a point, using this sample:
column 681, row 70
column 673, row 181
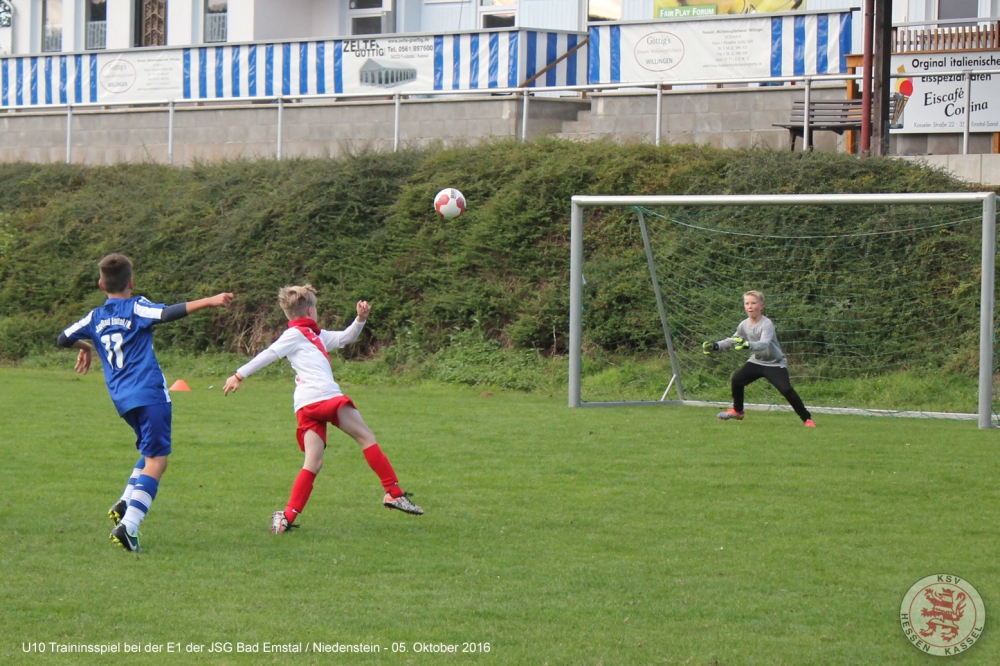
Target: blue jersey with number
column 122, row 333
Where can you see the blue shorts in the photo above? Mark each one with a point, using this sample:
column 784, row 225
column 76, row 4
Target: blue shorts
column 152, row 428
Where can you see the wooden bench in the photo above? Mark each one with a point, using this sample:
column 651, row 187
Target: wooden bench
column 825, row 115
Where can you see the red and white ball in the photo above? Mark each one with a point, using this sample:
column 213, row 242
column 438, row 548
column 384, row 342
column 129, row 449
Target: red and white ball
column 449, row 203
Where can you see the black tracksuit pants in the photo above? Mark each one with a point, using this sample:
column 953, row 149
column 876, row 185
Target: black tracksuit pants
column 751, row 372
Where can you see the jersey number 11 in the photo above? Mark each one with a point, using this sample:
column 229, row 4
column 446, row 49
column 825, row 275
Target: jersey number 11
column 113, row 345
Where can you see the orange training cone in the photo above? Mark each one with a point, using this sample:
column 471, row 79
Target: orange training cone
column 180, row 385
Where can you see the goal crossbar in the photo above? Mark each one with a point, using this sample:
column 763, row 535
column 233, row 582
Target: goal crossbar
column 987, row 285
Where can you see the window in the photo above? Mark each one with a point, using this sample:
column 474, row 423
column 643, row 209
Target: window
column 498, row 13
column 371, row 17
column 957, row 9
column 605, row 10
column 499, row 20
column 366, row 25
column 51, row 25
column 97, row 24
column 150, row 23
column 216, row 20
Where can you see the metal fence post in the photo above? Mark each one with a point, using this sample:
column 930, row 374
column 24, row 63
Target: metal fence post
column 524, row 116
column 806, row 134
column 170, row 133
column 659, row 110
column 395, row 125
column 69, row 134
column 968, row 111
column 281, row 108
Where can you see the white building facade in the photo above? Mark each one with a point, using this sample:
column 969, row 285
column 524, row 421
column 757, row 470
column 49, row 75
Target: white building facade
column 65, row 26
column 49, row 26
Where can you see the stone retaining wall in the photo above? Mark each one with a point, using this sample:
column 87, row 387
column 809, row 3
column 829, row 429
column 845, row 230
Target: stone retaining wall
column 725, row 118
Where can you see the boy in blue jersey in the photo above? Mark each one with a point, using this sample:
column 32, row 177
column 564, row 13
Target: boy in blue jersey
column 122, row 329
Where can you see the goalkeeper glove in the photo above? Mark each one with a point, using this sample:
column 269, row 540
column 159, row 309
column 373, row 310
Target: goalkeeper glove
column 709, row 347
column 740, row 343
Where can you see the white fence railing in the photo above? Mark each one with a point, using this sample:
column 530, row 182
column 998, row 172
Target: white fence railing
column 971, row 34
column 525, row 95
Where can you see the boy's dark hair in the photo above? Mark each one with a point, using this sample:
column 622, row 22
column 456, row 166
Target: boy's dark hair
column 116, row 271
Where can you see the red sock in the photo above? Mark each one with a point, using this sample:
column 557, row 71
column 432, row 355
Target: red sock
column 380, row 465
column 301, row 489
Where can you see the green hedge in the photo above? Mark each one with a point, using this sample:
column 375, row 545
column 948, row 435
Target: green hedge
column 363, row 227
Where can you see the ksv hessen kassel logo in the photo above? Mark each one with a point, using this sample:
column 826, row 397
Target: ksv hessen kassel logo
column 942, row 615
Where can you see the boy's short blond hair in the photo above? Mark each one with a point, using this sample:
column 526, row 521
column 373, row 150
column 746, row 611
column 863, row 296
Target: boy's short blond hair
column 756, row 294
column 296, row 301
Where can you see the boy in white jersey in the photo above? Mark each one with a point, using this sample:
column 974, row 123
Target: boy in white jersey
column 757, row 334
column 318, row 400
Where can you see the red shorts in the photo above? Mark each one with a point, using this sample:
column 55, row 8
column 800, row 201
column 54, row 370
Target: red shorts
column 315, row 417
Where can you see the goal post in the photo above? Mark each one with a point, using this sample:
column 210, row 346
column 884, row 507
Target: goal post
column 582, row 203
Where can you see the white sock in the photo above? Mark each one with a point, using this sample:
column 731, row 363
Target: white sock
column 142, row 499
column 136, row 471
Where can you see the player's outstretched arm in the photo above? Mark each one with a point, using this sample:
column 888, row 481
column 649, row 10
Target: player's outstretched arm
column 259, row 361
column 218, row 301
column 339, row 339
column 181, row 310
column 735, row 341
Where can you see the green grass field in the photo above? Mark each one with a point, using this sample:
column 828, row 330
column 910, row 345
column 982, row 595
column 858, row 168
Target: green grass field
column 594, row 536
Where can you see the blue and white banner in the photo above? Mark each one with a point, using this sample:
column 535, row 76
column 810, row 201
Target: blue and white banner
column 461, row 61
column 720, row 48
column 543, row 48
column 48, row 80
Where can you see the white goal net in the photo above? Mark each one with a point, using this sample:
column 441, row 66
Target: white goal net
column 883, row 303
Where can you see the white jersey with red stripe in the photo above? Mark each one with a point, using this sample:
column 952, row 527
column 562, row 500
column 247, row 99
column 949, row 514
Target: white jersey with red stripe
column 314, row 378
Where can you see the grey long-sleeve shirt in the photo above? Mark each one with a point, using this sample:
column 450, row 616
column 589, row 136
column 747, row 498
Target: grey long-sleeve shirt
column 763, row 342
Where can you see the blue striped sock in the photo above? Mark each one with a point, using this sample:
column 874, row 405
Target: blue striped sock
column 127, row 494
column 142, row 498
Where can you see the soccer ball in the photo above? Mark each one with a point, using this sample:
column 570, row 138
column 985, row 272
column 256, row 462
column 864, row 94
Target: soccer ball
column 449, row 203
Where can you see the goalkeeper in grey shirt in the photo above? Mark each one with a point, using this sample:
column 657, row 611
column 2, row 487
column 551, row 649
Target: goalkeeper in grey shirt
column 756, row 333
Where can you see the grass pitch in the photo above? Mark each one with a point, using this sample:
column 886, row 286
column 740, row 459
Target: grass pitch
column 555, row 536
